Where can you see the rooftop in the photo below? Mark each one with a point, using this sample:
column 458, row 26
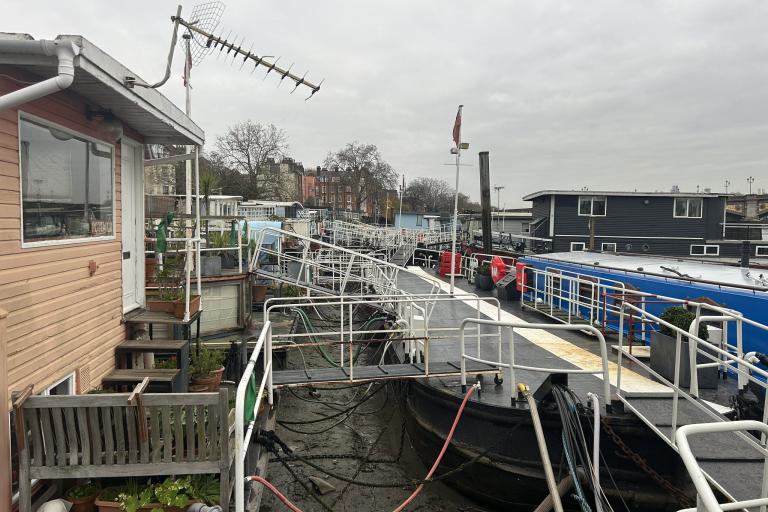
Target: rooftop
column 101, row 79
column 541, row 193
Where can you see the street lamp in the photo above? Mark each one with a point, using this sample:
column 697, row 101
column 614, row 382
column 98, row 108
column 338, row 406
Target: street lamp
column 750, row 180
column 727, row 184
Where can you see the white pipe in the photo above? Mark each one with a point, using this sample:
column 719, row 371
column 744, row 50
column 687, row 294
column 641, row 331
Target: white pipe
column 66, row 53
column 596, row 449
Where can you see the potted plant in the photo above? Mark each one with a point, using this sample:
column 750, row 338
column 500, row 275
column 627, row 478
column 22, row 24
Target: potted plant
column 483, row 280
column 82, row 497
column 206, row 368
column 180, row 303
column 168, row 289
column 663, row 346
column 226, row 254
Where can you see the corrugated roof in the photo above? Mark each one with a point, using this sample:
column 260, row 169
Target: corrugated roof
column 540, row 193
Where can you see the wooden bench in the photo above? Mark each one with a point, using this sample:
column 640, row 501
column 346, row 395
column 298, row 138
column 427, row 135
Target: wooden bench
column 102, row 435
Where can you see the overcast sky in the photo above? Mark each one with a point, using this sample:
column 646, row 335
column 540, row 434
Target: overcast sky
column 618, row 95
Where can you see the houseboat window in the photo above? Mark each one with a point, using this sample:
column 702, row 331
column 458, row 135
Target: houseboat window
column 592, row 206
column 761, row 250
column 419, row 220
column 608, row 247
column 578, row 246
column 705, row 250
column 689, row 207
column 66, row 183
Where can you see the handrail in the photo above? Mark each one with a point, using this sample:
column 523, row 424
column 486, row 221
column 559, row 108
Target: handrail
column 512, row 365
column 707, row 502
column 242, row 437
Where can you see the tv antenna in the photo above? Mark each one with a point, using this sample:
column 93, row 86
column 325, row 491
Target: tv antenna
column 199, row 39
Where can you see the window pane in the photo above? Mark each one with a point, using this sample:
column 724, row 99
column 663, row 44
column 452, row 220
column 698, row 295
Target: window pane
column 66, row 183
column 694, row 207
column 681, row 207
column 712, row 249
column 585, row 206
column 697, row 249
column 598, row 206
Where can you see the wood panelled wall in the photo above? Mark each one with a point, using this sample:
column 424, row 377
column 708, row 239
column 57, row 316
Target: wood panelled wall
column 60, row 318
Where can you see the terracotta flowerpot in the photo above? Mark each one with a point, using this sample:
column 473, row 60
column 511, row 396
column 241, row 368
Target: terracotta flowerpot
column 194, row 306
column 198, row 388
column 150, row 267
column 104, row 505
column 258, row 293
column 212, row 381
column 86, row 504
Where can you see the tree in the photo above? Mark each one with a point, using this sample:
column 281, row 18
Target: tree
column 429, row 194
column 363, row 169
column 249, row 148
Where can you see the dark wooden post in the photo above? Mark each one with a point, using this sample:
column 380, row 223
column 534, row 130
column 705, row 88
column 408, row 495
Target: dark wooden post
column 485, row 202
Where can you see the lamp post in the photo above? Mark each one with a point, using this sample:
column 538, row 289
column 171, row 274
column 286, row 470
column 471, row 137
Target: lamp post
column 727, row 184
column 498, row 190
column 750, row 180
column 457, row 152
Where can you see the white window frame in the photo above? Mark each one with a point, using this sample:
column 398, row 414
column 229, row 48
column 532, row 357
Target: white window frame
column 69, row 241
column 602, row 247
column 591, row 206
column 761, row 250
column 687, row 207
column 582, row 244
column 705, row 248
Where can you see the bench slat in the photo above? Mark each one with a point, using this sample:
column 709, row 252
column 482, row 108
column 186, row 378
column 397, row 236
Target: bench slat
column 48, row 441
column 130, row 426
column 117, row 415
column 200, row 423
column 85, row 438
column 60, row 448
column 37, row 438
column 69, row 420
column 143, row 443
column 93, row 423
column 168, row 441
column 190, row 424
column 109, row 445
column 213, row 438
column 154, row 432
column 178, row 437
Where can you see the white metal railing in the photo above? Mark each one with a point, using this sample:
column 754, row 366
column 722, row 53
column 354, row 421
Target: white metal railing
column 244, row 433
column 706, row 501
column 512, row 365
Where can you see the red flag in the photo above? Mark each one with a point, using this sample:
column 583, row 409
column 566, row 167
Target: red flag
column 457, row 127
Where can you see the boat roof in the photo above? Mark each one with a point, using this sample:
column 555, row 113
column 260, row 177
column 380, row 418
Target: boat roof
column 541, row 193
column 667, row 267
column 102, row 79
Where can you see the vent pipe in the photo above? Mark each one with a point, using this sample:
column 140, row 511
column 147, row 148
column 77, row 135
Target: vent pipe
column 65, row 51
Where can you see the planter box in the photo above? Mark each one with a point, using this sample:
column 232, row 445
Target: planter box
column 160, row 306
column 258, row 293
column 113, row 506
column 483, row 282
column 178, row 306
column 210, row 265
column 663, row 362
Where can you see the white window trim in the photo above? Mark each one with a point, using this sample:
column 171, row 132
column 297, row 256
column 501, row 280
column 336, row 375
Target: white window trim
column 591, row 206
column 687, row 207
column 615, row 247
column 68, row 241
column 705, row 247
column 582, row 244
column 764, row 249
column 70, row 377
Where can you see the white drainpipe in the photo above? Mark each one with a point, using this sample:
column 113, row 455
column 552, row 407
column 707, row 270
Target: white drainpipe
column 66, row 51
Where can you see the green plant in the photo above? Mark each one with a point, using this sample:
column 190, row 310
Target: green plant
column 174, row 492
column 291, row 291
column 134, row 502
column 112, row 494
column 168, row 363
column 85, row 490
column 204, row 361
column 484, row 269
column 205, row 488
column 681, row 318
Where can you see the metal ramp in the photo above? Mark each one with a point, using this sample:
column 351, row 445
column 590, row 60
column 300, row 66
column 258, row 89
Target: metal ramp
column 313, row 376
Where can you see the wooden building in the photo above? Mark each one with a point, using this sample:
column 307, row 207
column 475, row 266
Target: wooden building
column 71, row 214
